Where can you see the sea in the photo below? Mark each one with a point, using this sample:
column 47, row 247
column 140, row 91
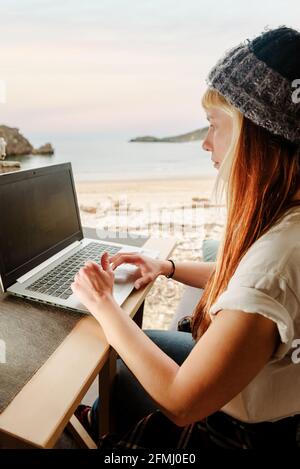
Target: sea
column 119, row 160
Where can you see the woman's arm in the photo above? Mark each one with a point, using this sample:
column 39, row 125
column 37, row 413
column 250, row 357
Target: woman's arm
column 227, row 357
column 194, row 274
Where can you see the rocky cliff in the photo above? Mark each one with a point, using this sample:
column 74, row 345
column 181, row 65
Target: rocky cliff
column 17, row 144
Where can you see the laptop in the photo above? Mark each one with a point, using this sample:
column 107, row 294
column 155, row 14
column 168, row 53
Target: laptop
column 42, row 245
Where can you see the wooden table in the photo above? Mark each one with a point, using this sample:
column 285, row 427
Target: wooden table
column 45, row 406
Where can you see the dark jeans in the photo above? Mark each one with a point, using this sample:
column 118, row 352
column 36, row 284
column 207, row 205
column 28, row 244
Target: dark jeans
column 130, row 401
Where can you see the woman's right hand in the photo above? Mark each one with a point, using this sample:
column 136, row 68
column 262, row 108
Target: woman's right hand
column 148, row 269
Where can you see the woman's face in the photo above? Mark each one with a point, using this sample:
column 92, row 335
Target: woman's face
column 218, row 137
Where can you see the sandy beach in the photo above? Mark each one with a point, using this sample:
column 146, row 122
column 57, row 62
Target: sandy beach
column 178, row 190
column 177, row 207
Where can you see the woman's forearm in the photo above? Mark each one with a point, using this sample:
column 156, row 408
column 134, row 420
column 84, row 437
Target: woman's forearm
column 152, row 368
column 194, row 274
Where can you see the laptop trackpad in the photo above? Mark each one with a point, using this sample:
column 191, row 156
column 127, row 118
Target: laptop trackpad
column 126, row 274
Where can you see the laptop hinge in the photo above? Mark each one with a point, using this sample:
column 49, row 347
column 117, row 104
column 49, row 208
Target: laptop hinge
column 46, row 263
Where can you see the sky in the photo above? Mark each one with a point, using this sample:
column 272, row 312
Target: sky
column 116, row 69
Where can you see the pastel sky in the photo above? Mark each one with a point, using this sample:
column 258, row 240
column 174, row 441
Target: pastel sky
column 119, row 68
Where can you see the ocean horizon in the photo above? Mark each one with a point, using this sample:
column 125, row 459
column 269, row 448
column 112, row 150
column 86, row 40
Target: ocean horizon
column 119, row 160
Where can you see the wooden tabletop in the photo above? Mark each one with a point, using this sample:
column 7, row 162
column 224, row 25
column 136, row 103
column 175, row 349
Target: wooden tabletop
column 39, row 413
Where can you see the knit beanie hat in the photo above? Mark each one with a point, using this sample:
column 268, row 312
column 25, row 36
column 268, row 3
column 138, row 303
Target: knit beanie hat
column 260, row 78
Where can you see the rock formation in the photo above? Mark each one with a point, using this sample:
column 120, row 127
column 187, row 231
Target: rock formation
column 198, row 134
column 17, row 144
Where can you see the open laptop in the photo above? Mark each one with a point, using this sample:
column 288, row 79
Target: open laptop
column 41, row 239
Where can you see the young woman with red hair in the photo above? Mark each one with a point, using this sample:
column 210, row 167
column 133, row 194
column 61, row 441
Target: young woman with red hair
column 232, row 383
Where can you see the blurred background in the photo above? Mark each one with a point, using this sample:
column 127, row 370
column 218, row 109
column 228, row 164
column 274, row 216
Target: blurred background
column 89, row 76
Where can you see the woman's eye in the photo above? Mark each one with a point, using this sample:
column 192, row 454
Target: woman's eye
column 211, row 126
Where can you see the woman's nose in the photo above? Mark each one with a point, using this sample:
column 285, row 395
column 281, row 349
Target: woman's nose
column 205, row 145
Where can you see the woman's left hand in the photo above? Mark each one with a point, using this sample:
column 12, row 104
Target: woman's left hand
column 94, row 283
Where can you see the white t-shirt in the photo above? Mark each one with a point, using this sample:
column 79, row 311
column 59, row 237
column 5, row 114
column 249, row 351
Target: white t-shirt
column 267, row 281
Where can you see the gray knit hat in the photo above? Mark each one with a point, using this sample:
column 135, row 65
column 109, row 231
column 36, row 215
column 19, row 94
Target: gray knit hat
column 259, row 77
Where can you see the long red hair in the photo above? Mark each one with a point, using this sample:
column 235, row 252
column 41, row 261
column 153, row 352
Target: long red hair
column 263, row 175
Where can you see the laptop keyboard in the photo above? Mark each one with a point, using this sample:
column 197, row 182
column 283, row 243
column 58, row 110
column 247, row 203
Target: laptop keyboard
column 57, row 282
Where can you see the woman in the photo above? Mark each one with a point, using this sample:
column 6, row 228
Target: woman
column 235, row 383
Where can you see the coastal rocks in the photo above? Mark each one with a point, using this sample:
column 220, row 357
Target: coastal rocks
column 2, row 148
column 46, row 149
column 6, row 165
column 10, row 164
column 17, row 144
column 198, row 134
column 146, row 138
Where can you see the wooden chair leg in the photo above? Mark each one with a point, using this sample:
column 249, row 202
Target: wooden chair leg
column 106, row 377
column 80, row 434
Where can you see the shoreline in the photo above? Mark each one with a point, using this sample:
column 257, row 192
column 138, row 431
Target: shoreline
column 143, row 180
column 171, row 190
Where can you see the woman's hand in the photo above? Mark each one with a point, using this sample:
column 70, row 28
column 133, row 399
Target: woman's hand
column 148, row 269
column 94, row 283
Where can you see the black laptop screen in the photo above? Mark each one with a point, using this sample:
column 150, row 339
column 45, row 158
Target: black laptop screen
column 39, row 217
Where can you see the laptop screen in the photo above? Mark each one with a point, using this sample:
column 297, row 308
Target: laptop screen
column 39, row 217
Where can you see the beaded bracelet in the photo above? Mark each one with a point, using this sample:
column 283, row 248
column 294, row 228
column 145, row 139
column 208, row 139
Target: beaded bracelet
column 173, row 270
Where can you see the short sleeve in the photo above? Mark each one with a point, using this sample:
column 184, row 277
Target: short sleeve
column 264, row 294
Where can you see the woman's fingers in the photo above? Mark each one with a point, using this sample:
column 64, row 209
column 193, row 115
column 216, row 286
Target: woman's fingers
column 129, row 256
column 105, row 262
column 125, row 258
column 88, row 270
column 116, row 256
column 144, row 280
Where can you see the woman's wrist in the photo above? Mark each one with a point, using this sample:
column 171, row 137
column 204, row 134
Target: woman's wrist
column 166, row 268
column 110, row 316
column 102, row 303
